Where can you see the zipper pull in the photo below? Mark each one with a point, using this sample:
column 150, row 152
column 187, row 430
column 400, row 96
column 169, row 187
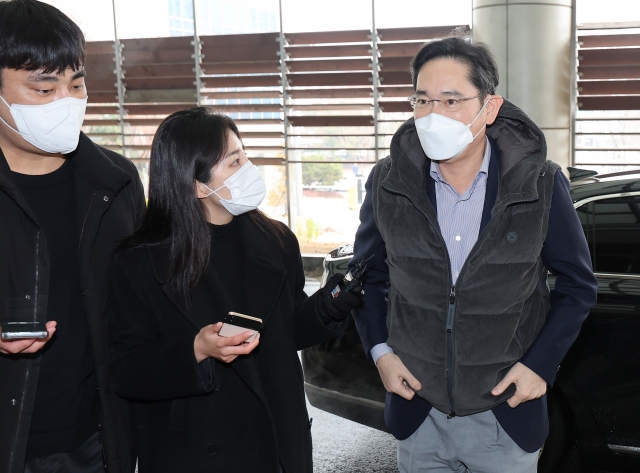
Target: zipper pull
column 452, row 309
column 451, row 414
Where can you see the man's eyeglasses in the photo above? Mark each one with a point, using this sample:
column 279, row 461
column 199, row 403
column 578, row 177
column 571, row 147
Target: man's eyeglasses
column 448, row 105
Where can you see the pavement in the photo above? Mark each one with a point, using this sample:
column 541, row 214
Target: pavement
column 340, row 445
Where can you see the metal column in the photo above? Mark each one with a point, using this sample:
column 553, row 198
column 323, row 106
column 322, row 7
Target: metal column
column 532, row 44
column 118, row 58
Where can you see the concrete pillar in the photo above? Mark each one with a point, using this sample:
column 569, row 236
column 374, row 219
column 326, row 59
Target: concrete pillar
column 532, row 42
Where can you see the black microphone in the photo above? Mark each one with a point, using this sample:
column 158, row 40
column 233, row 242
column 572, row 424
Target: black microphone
column 352, row 279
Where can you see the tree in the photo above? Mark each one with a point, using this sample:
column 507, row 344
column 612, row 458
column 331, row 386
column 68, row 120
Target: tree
column 324, row 174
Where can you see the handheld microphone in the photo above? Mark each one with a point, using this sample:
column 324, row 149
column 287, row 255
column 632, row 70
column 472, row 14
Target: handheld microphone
column 352, row 279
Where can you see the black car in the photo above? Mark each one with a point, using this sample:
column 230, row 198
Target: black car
column 595, row 401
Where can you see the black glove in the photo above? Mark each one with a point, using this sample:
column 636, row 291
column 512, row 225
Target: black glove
column 338, row 308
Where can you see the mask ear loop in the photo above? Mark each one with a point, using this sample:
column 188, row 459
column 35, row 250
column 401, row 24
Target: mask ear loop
column 3, row 121
column 483, row 126
column 211, row 191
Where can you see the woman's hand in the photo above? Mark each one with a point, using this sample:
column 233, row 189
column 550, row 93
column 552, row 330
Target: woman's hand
column 208, row 344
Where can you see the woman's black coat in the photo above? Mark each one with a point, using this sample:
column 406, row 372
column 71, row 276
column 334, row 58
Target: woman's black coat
column 242, row 417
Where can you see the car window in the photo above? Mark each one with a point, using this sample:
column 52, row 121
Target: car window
column 612, row 228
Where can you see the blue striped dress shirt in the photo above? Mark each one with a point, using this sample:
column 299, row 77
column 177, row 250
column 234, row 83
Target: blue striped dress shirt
column 459, row 217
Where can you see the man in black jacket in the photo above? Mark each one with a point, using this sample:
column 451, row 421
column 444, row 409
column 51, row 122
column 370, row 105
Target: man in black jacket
column 465, row 218
column 65, row 204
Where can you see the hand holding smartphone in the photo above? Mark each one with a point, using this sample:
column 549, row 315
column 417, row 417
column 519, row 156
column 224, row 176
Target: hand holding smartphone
column 225, row 341
column 18, row 338
column 18, row 330
column 236, row 323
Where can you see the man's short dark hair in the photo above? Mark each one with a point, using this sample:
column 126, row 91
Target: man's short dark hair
column 483, row 70
column 36, row 36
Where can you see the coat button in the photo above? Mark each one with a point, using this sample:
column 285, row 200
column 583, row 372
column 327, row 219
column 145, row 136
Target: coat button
column 216, row 385
column 211, row 448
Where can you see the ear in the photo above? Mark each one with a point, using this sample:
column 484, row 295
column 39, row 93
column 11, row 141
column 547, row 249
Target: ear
column 201, row 191
column 493, row 107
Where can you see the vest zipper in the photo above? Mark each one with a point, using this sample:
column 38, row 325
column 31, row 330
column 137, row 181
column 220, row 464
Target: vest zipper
column 449, row 370
column 452, row 310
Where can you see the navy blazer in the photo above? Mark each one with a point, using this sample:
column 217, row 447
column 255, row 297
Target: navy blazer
column 565, row 253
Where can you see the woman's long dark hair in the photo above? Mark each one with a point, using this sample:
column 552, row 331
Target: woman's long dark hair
column 185, row 149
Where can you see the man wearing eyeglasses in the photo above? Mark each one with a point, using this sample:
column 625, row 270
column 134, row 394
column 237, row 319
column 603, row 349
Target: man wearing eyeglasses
column 465, row 218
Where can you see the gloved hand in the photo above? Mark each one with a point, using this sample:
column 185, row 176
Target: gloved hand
column 340, row 307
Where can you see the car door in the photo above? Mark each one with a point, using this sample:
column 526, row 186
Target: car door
column 338, row 377
column 605, row 361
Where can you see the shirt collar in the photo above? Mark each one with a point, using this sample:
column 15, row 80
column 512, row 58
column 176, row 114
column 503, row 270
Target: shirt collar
column 484, row 168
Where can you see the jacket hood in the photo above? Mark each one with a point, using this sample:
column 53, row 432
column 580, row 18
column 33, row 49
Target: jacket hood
column 513, row 133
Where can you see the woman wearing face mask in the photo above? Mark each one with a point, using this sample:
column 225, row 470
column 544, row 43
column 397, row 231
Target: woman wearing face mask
column 201, row 401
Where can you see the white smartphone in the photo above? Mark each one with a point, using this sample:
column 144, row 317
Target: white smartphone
column 235, row 324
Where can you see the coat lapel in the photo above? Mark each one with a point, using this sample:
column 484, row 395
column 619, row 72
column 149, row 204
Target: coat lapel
column 264, row 277
column 160, row 263
column 98, row 182
column 264, row 272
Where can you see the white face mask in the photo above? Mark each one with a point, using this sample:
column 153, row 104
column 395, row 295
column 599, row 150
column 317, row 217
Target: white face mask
column 247, row 190
column 445, row 138
column 53, row 127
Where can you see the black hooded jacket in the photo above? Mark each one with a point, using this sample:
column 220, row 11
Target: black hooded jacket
column 110, row 203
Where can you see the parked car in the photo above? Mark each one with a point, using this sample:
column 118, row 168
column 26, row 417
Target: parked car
column 595, row 401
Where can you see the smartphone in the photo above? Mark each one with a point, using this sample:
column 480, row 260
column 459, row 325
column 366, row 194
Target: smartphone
column 15, row 330
column 235, row 324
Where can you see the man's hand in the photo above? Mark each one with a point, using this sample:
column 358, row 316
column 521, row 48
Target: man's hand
column 528, row 385
column 26, row 345
column 208, row 344
column 394, row 374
